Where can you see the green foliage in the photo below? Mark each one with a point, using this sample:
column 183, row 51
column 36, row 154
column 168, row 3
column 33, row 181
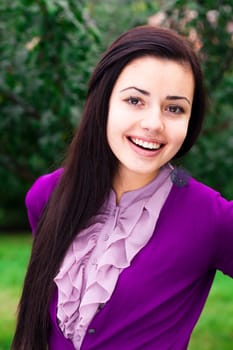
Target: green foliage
column 114, row 17
column 43, row 84
column 48, row 49
column 47, row 53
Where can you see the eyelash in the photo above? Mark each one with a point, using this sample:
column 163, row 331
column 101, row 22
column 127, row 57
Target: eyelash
column 178, row 109
column 133, row 99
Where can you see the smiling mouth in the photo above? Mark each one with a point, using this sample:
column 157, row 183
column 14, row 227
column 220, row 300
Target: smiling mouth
column 149, row 146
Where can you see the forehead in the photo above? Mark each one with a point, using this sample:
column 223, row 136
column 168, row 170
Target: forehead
column 153, row 71
column 151, row 64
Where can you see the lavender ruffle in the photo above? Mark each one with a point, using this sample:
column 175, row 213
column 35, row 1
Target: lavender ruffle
column 97, row 256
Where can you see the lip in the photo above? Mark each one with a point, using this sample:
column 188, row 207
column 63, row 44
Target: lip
column 145, row 152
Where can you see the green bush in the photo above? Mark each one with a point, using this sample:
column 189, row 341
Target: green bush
column 47, row 52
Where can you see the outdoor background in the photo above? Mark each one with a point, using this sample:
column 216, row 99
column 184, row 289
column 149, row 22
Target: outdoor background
column 48, row 50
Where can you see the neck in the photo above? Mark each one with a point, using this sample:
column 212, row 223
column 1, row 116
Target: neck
column 126, row 182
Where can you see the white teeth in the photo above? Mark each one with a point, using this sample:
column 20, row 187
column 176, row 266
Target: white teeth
column 145, row 144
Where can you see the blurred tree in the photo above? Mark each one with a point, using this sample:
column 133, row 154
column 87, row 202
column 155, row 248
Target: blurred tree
column 47, row 52
column 48, row 49
column 114, row 17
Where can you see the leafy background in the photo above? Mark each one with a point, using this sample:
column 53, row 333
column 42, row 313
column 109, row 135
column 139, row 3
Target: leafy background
column 48, row 50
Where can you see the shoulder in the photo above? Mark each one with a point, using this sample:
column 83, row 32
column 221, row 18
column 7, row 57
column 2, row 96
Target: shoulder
column 198, row 202
column 203, row 219
column 216, row 214
column 38, row 195
column 209, row 196
column 204, row 206
column 200, row 193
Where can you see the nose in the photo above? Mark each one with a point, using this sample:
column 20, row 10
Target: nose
column 153, row 120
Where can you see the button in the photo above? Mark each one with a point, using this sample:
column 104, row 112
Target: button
column 101, row 306
column 94, row 261
column 106, row 237
column 91, row 330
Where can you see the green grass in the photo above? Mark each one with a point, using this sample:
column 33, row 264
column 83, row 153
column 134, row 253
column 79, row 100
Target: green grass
column 213, row 332
column 14, row 255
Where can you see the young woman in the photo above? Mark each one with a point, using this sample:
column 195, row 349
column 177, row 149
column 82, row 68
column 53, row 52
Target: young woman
column 126, row 246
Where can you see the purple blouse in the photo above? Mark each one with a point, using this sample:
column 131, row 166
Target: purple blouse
column 158, row 299
column 98, row 254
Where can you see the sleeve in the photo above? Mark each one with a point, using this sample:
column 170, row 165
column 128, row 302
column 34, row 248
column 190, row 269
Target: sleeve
column 224, row 222
column 38, row 195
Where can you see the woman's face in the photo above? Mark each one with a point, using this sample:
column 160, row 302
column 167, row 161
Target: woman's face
column 149, row 112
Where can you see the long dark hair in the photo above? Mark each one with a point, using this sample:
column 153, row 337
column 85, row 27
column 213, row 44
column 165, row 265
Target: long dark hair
column 88, row 172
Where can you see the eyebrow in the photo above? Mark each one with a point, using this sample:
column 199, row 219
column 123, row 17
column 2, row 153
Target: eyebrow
column 178, row 98
column 144, row 92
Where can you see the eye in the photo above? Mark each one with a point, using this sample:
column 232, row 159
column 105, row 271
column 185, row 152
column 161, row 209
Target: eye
column 176, row 109
column 134, row 101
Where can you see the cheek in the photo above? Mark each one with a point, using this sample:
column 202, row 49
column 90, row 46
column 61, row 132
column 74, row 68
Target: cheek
column 178, row 132
column 112, row 129
column 116, row 122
